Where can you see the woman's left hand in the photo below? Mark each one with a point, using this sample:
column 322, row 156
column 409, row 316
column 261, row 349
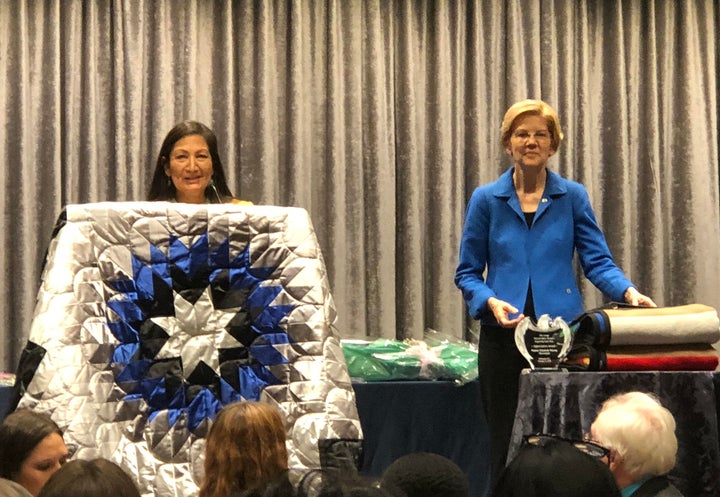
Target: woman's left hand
column 633, row 297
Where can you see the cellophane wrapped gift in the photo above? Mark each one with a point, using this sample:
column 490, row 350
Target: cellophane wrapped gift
column 437, row 357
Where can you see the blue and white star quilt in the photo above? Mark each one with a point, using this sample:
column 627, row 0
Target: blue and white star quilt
column 151, row 316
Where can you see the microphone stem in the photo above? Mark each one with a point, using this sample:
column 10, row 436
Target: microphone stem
column 217, row 195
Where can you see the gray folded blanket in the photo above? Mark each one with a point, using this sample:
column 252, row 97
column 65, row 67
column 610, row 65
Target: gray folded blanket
column 625, row 325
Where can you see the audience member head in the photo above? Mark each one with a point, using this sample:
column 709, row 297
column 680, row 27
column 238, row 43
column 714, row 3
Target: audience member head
column 245, row 449
column 423, row 474
column 95, row 478
column 31, row 449
column 554, row 467
column 640, row 434
column 189, row 168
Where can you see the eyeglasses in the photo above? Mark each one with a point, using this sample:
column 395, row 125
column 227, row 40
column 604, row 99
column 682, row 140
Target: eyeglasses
column 590, row 448
column 539, row 136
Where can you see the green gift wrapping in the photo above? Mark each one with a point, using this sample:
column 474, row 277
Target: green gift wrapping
column 386, row 360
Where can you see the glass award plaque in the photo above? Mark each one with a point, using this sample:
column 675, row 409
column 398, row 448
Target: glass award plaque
column 545, row 343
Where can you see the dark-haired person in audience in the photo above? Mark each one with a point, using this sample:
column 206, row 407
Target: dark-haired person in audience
column 423, row 474
column 551, row 467
column 95, row 478
column 640, row 434
column 245, row 450
column 189, row 169
column 32, row 449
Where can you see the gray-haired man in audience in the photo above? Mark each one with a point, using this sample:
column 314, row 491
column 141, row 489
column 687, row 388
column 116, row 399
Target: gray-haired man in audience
column 640, row 434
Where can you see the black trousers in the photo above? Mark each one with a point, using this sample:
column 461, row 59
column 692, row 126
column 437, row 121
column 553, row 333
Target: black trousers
column 499, row 366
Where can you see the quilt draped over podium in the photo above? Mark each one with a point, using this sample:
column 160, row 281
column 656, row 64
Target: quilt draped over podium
column 151, row 316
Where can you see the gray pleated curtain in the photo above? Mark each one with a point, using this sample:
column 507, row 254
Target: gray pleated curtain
column 379, row 117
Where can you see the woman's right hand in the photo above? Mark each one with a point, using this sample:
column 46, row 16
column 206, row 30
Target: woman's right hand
column 502, row 311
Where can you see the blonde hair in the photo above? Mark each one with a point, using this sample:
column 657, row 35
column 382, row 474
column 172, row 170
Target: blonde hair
column 534, row 108
column 245, row 449
column 641, row 431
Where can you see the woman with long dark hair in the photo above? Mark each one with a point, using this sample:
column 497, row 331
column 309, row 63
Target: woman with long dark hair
column 189, row 169
column 31, row 449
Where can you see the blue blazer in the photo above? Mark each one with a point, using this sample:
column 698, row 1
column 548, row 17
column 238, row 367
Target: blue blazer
column 496, row 237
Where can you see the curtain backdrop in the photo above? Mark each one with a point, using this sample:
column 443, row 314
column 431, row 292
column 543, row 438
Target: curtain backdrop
column 379, row 117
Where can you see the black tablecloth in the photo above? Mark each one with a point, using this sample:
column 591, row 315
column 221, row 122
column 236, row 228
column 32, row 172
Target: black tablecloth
column 5, row 397
column 566, row 404
column 402, row 417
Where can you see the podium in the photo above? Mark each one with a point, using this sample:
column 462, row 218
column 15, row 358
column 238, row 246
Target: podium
column 151, row 316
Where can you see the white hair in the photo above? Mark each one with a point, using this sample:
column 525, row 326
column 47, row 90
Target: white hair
column 640, row 430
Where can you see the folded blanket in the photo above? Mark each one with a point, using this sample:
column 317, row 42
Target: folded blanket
column 685, row 357
column 624, row 325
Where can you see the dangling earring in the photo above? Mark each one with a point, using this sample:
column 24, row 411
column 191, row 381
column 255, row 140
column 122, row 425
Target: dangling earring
column 169, row 181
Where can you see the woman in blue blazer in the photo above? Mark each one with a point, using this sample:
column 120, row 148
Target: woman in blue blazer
column 522, row 232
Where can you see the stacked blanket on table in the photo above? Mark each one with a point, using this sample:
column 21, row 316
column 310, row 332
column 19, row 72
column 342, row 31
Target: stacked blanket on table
column 624, row 338
column 152, row 316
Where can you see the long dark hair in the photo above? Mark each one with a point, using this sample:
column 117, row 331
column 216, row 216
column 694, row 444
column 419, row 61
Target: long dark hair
column 20, row 433
column 162, row 188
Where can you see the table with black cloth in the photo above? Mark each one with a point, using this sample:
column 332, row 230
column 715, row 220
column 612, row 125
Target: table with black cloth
column 565, row 404
column 5, row 399
column 402, row 417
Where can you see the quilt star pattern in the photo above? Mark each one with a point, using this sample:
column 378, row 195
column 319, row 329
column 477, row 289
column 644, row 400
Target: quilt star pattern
column 151, row 316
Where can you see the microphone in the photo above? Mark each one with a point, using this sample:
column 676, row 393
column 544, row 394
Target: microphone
column 214, row 189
